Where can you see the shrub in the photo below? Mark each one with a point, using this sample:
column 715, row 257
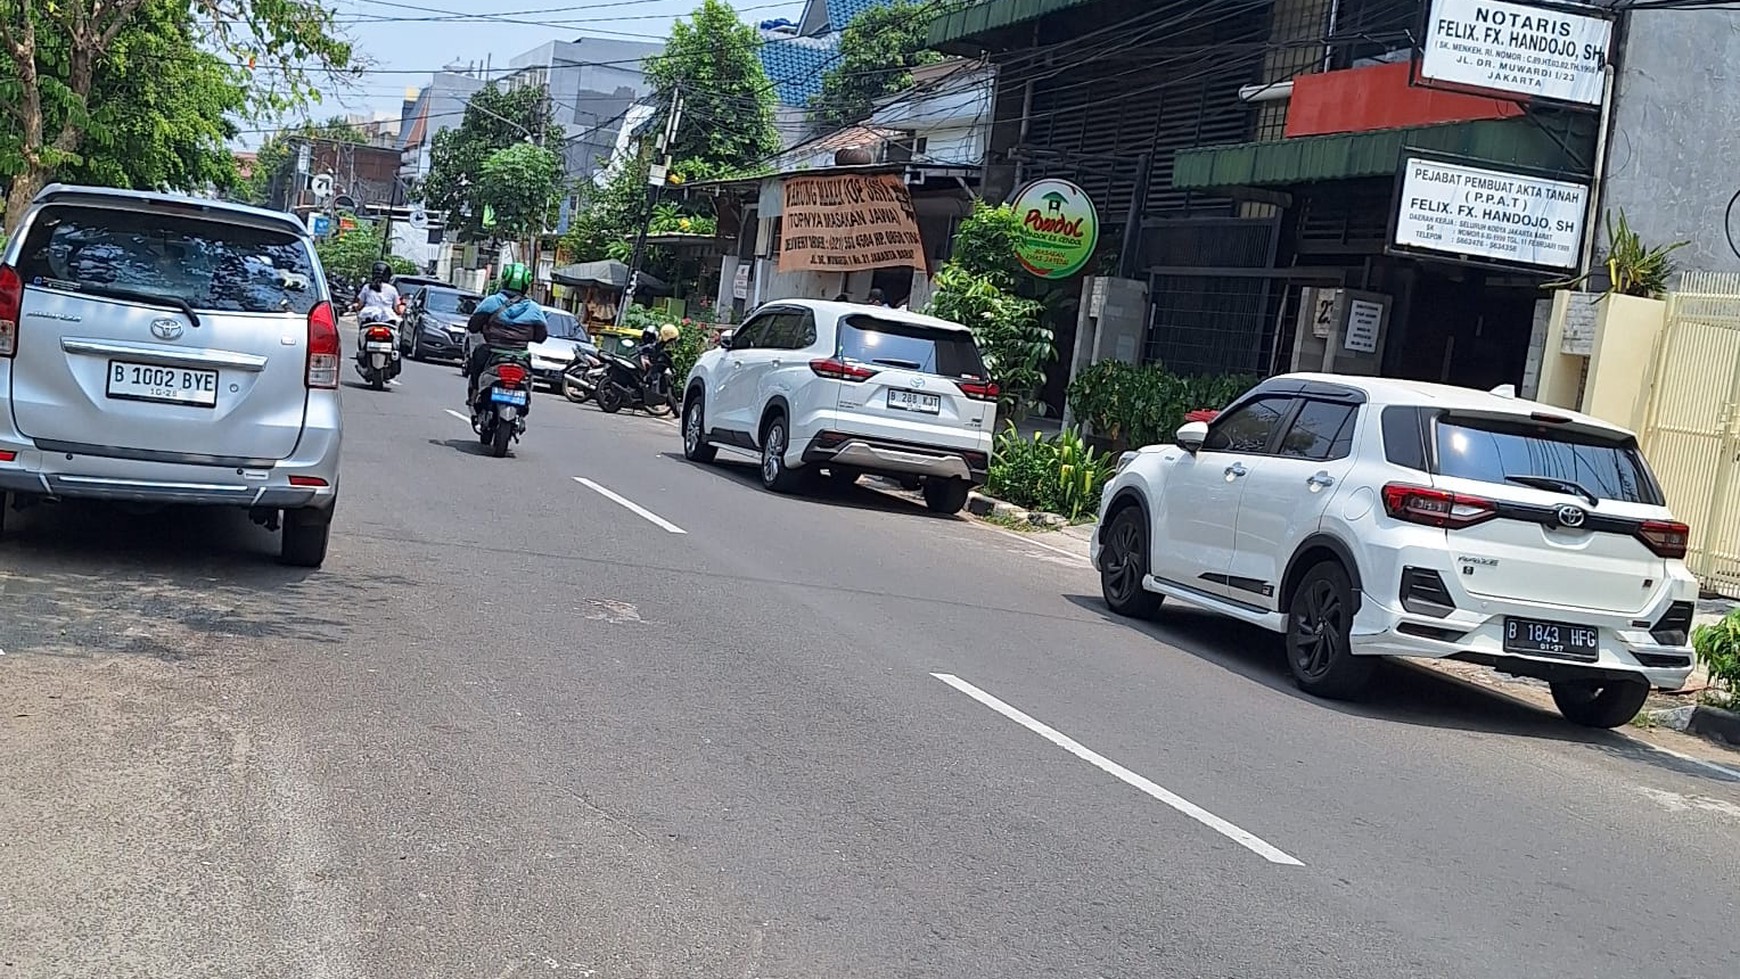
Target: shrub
column 1133, row 406
column 1015, row 342
column 1718, row 648
column 1058, row 474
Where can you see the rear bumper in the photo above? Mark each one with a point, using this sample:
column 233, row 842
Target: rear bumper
column 35, row 471
column 1472, row 627
column 879, row 455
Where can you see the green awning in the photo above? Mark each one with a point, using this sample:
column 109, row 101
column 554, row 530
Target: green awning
column 990, row 15
column 1348, row 156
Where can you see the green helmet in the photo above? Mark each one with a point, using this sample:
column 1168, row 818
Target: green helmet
column 516, row 277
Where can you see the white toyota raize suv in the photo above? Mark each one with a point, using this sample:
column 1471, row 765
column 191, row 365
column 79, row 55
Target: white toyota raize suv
column 1363, row 517
column 852, row 389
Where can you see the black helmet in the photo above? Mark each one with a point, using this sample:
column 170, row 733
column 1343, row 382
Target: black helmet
column 649, row 335
column 381, row 272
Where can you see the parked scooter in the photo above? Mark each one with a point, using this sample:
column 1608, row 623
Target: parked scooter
column 580, row 378
column 502, row 397
column 625, row 385
column 377, row 349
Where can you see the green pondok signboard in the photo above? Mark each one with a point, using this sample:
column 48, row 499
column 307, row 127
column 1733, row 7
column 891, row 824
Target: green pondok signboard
column 1059, row 228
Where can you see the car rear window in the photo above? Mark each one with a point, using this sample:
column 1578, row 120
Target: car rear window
column 563, row 326
column 1497, row 452
column 443, row 301
column 891, row 343
column 210, row 265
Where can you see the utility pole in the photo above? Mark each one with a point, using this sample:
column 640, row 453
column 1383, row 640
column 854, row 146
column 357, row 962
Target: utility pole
column 656, row 177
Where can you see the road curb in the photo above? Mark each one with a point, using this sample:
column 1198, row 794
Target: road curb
column 980, row 505
column 1715, row 724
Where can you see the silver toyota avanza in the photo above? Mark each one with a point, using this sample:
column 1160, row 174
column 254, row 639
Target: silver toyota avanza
column 167, row 350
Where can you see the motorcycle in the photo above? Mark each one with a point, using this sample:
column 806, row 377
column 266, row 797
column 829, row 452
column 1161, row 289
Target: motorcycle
column 501, row 399
column 624, row 385
column 377, row 354
column 580, row 378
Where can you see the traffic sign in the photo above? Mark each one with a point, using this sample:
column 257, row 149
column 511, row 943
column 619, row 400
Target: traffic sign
column 321, row 185
column 319, row 225
column 419, row 219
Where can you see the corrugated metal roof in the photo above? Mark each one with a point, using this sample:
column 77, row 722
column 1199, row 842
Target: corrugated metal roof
column 1347, row 156
column 990, row 15
column 841, row 12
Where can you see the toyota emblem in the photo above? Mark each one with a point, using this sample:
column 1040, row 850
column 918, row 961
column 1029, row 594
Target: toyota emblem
column 166, row 329
column 1570, row 516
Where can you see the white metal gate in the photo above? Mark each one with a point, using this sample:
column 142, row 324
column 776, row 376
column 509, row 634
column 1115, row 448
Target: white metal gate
column 1692, row 430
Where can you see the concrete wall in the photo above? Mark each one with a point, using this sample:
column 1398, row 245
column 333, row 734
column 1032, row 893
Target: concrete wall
column 1676, row 132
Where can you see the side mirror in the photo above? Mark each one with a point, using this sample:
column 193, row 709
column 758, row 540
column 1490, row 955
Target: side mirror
column 1191, row 435
column 725, row 340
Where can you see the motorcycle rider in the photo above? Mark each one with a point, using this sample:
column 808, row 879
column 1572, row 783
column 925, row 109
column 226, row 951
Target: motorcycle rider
column 509, row 319
column 377, row 302
column 654, row 354
column 379, row 295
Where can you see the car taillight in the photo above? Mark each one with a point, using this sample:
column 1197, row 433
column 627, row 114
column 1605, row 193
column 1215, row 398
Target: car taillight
column 7, row 455
column 512, row 375
column 1665, row 538
column 323, row 347
column 11, row 305
column 307, row 482
column 836, row 369
column 980, row 390
column 1436, row 508
column 380, row 333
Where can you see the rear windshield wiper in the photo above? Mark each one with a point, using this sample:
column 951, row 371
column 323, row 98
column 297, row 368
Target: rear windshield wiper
column 1555, row 484
column 143, row 298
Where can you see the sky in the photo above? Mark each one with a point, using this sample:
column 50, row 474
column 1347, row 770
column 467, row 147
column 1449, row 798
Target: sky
column 405, row 41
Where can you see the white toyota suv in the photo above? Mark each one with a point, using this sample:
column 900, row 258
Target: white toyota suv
column 851, row 389
column 1363, row 517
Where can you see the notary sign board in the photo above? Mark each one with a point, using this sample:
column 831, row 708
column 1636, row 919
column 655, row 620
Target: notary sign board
column 1516, row 49
column 1491, row 215
column 849, row 222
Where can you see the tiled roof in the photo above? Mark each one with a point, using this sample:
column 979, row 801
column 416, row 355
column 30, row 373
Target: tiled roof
column 796, row 65
column 841, row 12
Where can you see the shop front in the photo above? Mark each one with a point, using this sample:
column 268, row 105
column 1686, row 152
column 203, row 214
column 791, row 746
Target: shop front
column 1417, row 229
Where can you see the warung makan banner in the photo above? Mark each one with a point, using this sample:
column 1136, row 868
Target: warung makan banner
column 848, row 222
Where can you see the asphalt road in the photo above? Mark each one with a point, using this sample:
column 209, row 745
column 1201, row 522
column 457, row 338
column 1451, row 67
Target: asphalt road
column 515, row 728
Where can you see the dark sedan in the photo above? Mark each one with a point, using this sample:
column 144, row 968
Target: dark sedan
column 435, row 323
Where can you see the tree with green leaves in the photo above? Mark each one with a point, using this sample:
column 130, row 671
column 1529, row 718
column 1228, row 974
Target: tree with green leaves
column 275, row 154
column 727, row 126
column 518, row 185
column 878, row 51
column 980, row 288
column 494, row 120
column 56, row 51
column 161, row 110
column 352, row 254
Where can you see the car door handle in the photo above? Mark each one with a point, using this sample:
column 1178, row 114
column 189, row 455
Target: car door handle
column 1321, row 481
column 1235, row 470
column 774, row 362
column 736, row 364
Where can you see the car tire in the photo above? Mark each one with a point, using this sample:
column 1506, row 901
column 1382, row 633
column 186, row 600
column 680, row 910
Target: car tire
column 304, row 538
column 946, row 496
column 1599, row 703
column 774, row 474
column 1124, row 561
column 1319, row 629
column 696, row 448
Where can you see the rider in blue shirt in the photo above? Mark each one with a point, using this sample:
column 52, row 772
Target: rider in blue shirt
column 508, row 319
